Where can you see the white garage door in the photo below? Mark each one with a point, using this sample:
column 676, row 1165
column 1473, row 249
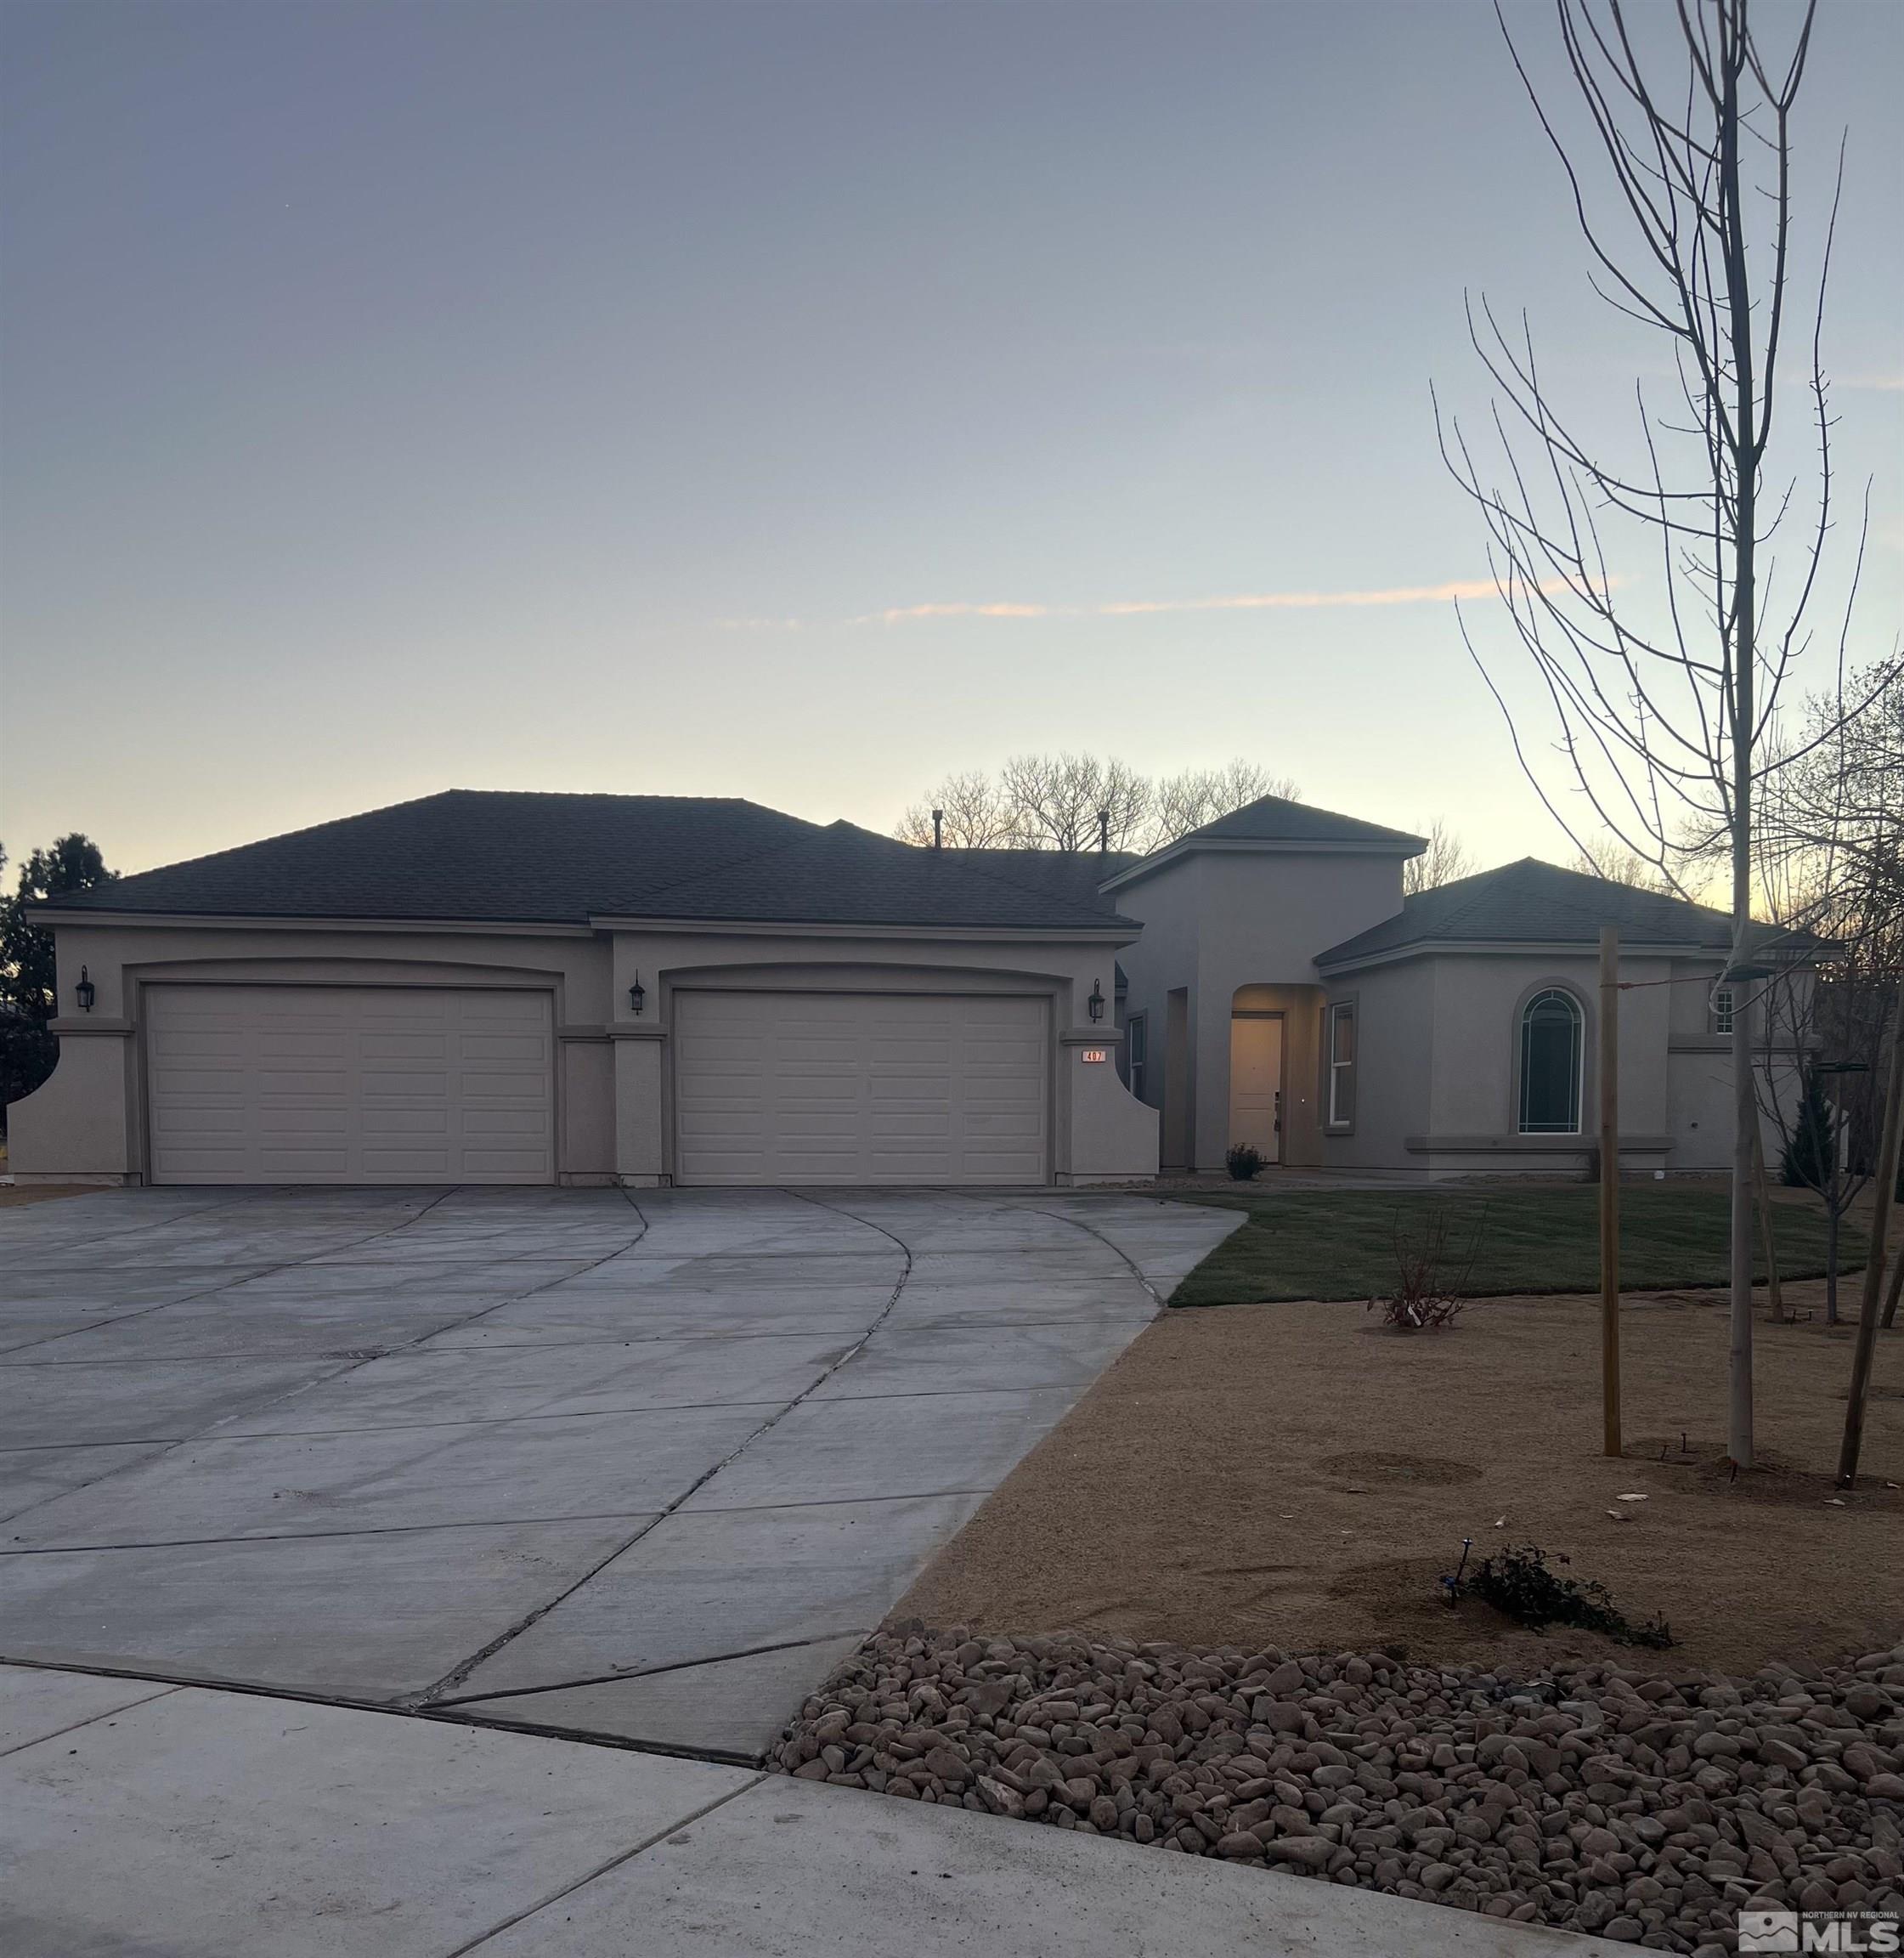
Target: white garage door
column 349, row 1084
column 859, row 1087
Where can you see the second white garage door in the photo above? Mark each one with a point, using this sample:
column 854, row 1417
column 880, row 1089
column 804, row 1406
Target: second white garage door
column 349, row 1084
column 859, row 1087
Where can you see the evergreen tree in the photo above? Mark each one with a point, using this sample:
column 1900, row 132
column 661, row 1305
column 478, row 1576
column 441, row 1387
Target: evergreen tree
column 27, row 1050
column 1809, row 1153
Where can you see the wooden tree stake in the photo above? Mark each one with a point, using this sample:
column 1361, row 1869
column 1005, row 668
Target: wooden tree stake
column 1609, row 1184
column 1768, row 1241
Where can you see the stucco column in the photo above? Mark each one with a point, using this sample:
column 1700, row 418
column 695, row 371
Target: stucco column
column 1210, row 1044
column 639, row 1132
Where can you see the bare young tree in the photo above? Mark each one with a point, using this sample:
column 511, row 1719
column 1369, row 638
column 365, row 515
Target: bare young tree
column 1660, row 690
column 974, row 814
column 1184, row 802
column 1445, row 860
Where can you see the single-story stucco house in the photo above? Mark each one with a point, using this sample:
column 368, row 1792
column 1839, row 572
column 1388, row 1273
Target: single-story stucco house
column 591, row 989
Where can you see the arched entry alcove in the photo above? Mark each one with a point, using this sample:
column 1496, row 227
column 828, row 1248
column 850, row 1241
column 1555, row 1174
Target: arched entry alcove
column 1273, row 1035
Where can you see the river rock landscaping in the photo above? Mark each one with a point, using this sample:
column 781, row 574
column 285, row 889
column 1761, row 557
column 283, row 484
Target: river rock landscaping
column 1647, row 1804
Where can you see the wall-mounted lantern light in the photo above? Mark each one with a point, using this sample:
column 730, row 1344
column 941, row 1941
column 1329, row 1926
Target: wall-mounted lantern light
column 1096, row 1001
column 84, row 992
column 637, row 996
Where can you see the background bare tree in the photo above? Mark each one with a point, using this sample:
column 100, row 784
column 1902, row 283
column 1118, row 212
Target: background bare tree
column 1612, row 859
column 1659, row 690
column 1445, row 860
column 1831, row 861
column 1182, row 803
column 1052, row 803
column 1056, row 799
column 977, row 815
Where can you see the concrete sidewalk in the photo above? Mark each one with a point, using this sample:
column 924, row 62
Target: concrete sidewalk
column 141, row 1820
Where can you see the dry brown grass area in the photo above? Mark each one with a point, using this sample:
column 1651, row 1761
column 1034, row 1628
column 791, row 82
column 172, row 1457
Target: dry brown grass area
column 1290, row 1475
column 12, row 1195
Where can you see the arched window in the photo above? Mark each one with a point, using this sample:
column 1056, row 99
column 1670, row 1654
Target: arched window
column 1551, row 1046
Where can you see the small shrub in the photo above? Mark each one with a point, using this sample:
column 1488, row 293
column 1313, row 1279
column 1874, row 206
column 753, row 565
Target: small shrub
column 1517, row 1583
column 1243, row 1162
column 1432, row 1274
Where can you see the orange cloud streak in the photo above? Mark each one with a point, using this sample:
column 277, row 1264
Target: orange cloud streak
column 1140, row 608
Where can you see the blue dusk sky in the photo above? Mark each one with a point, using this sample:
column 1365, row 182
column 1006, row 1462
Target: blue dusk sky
column 798, row 402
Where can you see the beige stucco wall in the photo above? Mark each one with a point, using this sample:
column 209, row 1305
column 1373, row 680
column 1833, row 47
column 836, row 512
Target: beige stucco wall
column 1395, row 1035
column 1437, row 1092
column 59, row 1131
column 1217, row 921
column 614, row 1082
column 1097, row 1131
column 1473, row 1116
column 1164, row 959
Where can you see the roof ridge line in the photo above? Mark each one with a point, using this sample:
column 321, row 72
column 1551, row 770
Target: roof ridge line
column 751, row 855
column 1011, row 883
column 282, row 836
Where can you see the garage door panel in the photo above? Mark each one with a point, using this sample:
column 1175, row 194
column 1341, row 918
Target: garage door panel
column 485, row 1125
column 859, row 1088
column 349, row 1084
column 276, row 1166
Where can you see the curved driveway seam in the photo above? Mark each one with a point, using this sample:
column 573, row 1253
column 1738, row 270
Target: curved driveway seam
column 210, row 1291
column 647, row 1672
column 458, row 1674
column 1091, row 1231
column 211, row 1433
column 226, row 1285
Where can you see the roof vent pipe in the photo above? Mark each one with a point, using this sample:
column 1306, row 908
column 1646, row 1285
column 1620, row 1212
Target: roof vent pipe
column 1104, row 832
column 938, row 829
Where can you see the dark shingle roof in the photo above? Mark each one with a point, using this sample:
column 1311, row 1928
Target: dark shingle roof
column 501, row 856
column 1535, row 903
column 845, row 876
column 1276, row 819
column 1072, row 874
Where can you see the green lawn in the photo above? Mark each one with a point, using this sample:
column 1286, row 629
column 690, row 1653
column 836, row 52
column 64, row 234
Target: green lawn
column 1340, row 1244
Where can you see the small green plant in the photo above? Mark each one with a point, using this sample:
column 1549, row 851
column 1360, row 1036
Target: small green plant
column 1243, row 1162
column 1517, row 1583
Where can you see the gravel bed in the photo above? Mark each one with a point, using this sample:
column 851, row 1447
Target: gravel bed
column 1648, row 1805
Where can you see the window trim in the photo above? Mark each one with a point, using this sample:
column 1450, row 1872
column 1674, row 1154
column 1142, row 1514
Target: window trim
column 1551, row 989
column 1333, row 1124
column 1720, row 1016
column 1136, row 1054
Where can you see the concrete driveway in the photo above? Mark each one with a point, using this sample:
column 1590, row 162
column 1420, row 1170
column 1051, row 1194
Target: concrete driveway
column 577, row 1461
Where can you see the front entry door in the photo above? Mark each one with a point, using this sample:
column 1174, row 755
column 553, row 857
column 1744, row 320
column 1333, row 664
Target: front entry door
column 1256, row 1084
